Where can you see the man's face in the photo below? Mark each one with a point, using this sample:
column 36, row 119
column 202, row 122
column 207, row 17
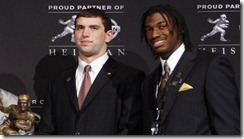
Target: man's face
column 161, row 35
column 23, row 105
column 90, row 37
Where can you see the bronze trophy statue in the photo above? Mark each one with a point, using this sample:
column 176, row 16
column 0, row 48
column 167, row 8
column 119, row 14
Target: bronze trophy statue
column 20, row 120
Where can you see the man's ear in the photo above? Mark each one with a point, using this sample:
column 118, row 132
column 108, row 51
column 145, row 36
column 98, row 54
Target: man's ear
column 109, row 36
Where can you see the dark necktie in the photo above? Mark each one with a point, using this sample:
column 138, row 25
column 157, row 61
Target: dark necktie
column 86, row 84
column 164, row 79
column 156, row 127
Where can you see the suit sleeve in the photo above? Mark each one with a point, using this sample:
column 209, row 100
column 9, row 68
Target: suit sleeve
column 131, row 113
column 46, row 126
column 222, row 96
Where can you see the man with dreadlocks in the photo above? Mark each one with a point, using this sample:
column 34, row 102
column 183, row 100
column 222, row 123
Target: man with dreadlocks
column 191, row 92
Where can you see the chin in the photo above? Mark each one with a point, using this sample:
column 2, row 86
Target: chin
column 87, row 54
column 159, row 51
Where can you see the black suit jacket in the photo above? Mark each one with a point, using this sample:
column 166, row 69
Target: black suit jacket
column 113, row 104
column 211, row 107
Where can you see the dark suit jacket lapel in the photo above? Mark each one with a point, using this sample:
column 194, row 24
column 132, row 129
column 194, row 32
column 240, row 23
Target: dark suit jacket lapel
column 107, row 72
column 177, row 78
column 71, row 87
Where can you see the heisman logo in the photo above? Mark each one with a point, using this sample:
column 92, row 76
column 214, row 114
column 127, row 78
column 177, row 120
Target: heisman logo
column 68, row 29
column 70, row 26
column 221, row 24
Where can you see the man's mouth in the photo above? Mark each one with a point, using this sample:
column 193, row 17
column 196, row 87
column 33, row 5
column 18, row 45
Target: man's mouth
column 86, row 42
column 158, row 43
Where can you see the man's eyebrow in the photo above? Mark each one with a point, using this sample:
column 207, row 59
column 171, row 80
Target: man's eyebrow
column 159, row 23
column 98, row 26
column 79, row 25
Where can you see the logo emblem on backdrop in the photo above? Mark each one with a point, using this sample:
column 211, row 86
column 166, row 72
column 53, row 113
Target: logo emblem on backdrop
column 68, row 29
column 70, row 26
column 115, row 28
column 221, row 24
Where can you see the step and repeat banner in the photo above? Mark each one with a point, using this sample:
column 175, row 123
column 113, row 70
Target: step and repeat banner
column 36, row 40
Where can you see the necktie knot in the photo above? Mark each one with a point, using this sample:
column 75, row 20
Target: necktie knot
column 87, row 68
column 166, row 70
column 165, row 76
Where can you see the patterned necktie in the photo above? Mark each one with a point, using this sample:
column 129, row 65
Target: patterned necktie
column 86, row 84
column 156, row 127
column 164, row 78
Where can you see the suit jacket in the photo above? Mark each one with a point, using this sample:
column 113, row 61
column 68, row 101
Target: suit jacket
column 211, row 106
column 113, row 104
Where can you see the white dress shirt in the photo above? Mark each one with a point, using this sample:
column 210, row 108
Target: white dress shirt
column 96, row 66
column 174, row 58
column 172, row 61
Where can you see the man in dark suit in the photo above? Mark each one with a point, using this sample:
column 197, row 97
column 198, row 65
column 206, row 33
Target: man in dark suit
column 200, row 95
column 113, row 104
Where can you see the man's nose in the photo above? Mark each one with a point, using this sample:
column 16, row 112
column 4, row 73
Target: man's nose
column 86, row 32
column 155, row 32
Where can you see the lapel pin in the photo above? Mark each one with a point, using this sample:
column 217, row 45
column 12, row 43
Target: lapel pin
column 109, row 73
column 68, row 79
column 180, row 80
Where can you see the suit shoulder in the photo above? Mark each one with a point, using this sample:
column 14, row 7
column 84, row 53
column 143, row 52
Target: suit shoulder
column 64, row 73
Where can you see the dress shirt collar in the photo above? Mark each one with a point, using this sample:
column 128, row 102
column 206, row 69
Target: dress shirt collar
column 174, row 58
column 96, row 65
